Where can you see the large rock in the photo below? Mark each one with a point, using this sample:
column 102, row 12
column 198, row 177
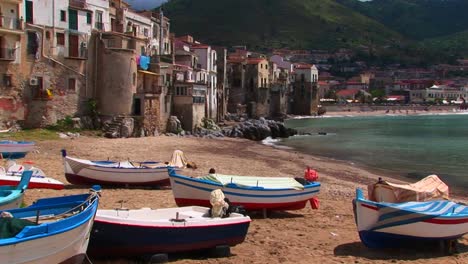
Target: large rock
column 126, row 129
column 174, row 125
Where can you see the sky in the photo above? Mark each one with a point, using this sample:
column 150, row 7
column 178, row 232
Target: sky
column 145, row 4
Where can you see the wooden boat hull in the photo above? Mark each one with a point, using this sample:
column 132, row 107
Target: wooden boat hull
column 191, row 191
column 34, row 183
column 85, row 174
column 120, row 238
column 14, row 149
column 404, row 232
column 63, row 241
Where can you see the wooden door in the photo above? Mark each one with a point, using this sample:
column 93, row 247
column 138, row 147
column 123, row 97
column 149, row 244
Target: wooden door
column 73, row 46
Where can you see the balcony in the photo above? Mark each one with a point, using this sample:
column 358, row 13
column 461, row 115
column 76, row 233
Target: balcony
column 7, row 54
column 99, row 25
column 155, row 89
column 80, row 4
column 10, row 24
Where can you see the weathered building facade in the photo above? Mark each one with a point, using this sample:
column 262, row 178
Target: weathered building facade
column 304, row 99
column 12, row 53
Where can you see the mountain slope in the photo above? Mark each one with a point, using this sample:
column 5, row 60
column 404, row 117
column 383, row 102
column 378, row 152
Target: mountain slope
column 264, row 24
column 416, row 19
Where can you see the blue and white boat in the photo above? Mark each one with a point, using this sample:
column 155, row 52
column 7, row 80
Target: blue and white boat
column 251, row 192
column 10, row 149
column 123, row 173
column 12, row 196
column 54, row 230
column 123, row 232
column 389, row 225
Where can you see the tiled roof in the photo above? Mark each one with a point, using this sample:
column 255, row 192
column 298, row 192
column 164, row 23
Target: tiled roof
column 254, row 60
column 347, row 92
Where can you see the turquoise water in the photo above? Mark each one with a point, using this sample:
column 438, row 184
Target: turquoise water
column 411, row 146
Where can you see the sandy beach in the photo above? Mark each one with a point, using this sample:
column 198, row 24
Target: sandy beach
column 326, row 235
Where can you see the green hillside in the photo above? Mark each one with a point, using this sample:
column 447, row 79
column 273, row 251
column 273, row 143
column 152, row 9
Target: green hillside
column 455, row 44
column 266, row 24
column 416, row 19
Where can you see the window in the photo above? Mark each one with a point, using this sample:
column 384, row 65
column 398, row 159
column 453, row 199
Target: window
column 89, row 18
column 145, row 32
column 63, row 15
column 60, row 39
column 33, row 43
column 7, row 80
column 72, row 85
column 266, row 66
column 99, row 24
column 47, row 34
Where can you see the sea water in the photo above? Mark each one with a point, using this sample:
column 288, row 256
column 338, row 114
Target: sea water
column 411, row 146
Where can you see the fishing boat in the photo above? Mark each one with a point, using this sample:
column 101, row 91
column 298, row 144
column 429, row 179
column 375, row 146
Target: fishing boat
column 251, row 192
column 52, row 230
column 12, row 176
column 126, row 173
column 123, row 232
column 383, row 224
column 10, row 149
column 12, row 196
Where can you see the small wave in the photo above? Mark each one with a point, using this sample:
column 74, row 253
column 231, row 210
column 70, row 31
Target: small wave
column 270, row 141
column 273, row 143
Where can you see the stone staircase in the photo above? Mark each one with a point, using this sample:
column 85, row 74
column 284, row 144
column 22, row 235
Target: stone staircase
column 112, row 129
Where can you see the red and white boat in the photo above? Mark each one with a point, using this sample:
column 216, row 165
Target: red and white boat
column 12, row 176
column 123, row 173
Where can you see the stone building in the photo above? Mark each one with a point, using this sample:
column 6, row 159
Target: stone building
column 12, row 71
column 249, row 85
column 128, row 77
column 304, row 98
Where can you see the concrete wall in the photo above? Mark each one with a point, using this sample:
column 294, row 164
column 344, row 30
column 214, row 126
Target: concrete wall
column 263, row 103
column 303, row 98
column 117, row 71
column 184, row 111
column 47, row 110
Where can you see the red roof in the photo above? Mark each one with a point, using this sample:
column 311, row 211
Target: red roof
column 200, row 46
column 303, row 66
column 254, row 60
column 347, row 92
column 235, row 60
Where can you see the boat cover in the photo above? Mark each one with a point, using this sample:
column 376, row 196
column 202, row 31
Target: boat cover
column 426, row 189
column 178, row 159
column 255, row 181
column 411, row 212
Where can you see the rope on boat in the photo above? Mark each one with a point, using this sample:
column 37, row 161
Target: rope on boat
column 81, row 208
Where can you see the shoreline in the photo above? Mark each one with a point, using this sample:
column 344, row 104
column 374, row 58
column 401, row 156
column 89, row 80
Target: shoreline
column 326, row 235
column 459, row 192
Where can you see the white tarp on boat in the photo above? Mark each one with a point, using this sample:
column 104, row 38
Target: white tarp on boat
column 426, row 189
column 178, row 159
column 255, row 181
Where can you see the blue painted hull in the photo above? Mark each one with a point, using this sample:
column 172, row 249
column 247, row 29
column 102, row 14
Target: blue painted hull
column 13, row 155
column 374, row 239
column 110, row 239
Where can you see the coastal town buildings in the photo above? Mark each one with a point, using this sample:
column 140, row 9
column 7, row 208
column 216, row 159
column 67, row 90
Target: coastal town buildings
column 304, row 98
column 12, row 53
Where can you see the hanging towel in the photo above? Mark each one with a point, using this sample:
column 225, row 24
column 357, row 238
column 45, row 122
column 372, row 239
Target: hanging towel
column 144, row 62
column 138, row 59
